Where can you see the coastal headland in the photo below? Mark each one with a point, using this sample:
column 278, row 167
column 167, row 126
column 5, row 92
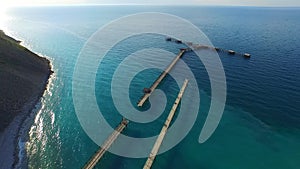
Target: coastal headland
column 24, row 77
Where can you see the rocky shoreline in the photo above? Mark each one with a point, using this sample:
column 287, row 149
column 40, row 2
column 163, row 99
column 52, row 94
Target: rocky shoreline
column 24, row 76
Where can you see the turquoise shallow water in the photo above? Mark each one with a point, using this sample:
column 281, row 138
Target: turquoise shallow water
column 260, row 127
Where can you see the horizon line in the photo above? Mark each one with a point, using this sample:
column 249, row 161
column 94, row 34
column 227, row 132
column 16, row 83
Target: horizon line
column 147, row 4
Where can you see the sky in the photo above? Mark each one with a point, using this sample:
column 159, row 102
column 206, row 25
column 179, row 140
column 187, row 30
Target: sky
column 154, row 2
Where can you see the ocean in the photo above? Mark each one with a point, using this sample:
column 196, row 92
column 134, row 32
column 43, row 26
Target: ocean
column 260, row 126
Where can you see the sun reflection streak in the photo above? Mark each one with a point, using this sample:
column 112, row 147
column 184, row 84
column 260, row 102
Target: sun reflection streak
column 37, row 133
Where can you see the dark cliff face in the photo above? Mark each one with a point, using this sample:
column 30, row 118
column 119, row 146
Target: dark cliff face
column 23, row 78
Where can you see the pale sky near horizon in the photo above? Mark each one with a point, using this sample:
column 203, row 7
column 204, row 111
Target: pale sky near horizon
column 155, row 2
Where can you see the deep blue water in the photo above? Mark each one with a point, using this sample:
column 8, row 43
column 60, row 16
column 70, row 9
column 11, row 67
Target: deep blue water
column 260, row 127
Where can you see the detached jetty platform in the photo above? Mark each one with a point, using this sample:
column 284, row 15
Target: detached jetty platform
column 192, row 46
column 164, row 129
column 108, row 142
column 148, row 91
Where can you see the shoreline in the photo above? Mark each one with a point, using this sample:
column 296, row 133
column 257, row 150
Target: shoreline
column 22, row 138
column 16, row 133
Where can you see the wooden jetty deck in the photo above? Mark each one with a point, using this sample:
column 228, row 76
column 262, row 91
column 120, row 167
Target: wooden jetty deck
column 164, row 129
column 108, row 142
column 160, row 78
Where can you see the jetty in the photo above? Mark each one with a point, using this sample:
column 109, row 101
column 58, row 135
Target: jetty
column 96, row 157
column 230, row 52
column 148, row 91
column 164, row 129
column 104, row 147
column 193, row 46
